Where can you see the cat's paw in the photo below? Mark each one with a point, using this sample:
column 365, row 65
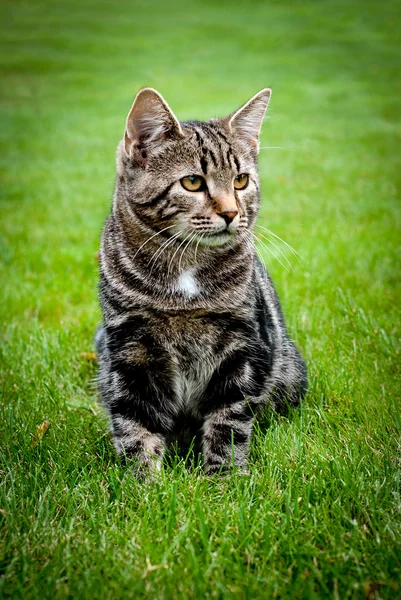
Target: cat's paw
column 226, row 469
column 142, row 471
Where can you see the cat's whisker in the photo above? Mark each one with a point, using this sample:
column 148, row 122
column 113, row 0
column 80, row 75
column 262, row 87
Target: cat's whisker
column 260, row 255
column 271, row 252
column 249, row 240
column 185, row 247
column 172, row 258
column 277, row 248
column 196, row 248
column 160, row 250
column 151, row 238
column 295, row 253
column 170, row 243
column 292, row 250
column 248, row 243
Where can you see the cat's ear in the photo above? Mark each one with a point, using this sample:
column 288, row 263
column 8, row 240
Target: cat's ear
column 150, row 123
column 247, row 121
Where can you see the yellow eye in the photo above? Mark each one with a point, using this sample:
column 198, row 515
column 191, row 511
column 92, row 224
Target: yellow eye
column 193, row 183
column 241, row 181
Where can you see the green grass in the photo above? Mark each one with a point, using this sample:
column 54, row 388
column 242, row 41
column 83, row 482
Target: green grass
column 320, row 514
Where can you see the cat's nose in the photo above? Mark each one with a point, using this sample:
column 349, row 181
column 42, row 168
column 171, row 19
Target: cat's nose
column 228, row 215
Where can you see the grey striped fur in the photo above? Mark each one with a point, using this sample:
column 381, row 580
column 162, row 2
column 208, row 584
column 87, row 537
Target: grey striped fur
column 193, row 341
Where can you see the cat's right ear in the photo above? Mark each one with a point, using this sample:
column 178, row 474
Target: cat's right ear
column 150, row 123
column 247, row 121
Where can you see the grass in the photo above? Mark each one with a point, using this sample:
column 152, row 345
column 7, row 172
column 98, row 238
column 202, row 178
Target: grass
column 320, row 514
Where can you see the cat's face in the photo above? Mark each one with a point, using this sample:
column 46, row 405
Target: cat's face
column 196, row 180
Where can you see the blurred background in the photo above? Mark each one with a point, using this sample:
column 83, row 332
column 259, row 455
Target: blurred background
column 330, row 145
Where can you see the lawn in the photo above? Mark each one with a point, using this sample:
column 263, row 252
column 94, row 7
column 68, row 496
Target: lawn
column 319, row 516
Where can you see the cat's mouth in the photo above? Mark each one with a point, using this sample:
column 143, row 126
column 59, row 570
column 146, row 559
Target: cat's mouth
column 216, row 238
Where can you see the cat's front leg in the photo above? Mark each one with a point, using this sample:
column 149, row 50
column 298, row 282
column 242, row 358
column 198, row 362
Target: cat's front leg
column 140, row 449
column 137, row 400
column 136, row 385
column 139, row 403
column 226, row 437
column 230, row 402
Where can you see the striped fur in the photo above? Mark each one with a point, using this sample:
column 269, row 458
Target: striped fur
column 193, row 340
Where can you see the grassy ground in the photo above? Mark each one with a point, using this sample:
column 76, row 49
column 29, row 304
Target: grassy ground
column 320, row 514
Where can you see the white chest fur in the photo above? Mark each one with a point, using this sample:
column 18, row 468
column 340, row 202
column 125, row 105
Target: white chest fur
column 187, row 284
column 191, row 385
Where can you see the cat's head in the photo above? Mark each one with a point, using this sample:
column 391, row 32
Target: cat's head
column 196, row 180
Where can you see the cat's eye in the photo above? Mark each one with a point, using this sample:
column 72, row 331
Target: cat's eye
column 193, row 183
column 241, row 181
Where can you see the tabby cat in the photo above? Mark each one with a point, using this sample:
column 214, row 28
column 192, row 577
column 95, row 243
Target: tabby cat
column 193, row 340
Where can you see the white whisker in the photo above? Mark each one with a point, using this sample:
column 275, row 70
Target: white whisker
column 182, row 253
column 164, row 245
column 296, row 254
column 249, row 240
column 271, row 252
column 151, row 238
column 196, row 248
column 160, row 250
column 172, row 258
column 277, row 248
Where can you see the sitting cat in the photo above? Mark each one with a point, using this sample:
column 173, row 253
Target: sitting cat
column 193, row 340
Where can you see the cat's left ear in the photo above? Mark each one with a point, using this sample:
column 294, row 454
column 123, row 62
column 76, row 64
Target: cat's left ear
column 150, row 123
column 247, row 121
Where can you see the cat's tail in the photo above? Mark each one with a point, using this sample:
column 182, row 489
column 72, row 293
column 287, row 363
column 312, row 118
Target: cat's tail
column 99, row 339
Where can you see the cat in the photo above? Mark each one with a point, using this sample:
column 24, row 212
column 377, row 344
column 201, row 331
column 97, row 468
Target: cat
column 193, row 340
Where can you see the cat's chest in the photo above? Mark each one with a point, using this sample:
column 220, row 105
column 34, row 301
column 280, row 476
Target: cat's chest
column 194, row 356
column 187, row 284
column 194, row 363
column 190, row 385
column 196, row 344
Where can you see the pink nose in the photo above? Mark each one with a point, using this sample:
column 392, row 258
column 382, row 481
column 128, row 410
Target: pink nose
column 228, row 215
